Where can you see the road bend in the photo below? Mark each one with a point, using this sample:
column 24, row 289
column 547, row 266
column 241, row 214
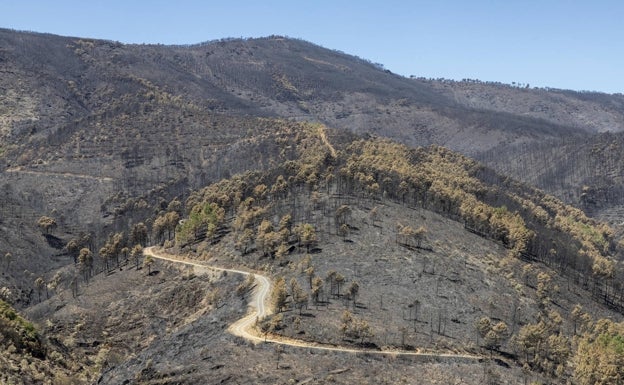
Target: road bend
column 244, row 327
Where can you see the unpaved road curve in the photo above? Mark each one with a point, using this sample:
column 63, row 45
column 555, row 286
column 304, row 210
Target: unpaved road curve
column 244, row 326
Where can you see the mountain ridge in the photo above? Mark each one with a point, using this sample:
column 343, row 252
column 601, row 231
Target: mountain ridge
column 286, row 78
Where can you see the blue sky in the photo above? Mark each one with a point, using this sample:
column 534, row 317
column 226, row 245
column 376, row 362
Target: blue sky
column 563, row 44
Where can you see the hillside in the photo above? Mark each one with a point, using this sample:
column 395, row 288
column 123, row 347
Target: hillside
column 26, row 357
column 134, row 112
column 318, row 170
column 585, row 172
column 456, row 244
column 591, row 111
column 58, row 81
column 322, row 216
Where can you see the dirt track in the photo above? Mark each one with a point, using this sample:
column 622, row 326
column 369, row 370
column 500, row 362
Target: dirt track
column 244, row 326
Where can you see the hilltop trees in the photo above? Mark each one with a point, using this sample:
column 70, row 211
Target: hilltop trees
column 306, row 235
column 309, row 272
column 493, row 334
column 298, row 295
column 73, row 249
column 581, row 321
column 112, row 249
column 74, row 245
column 443, row 183
column 317, row 289
column 244, row 240
column 165, row 224
column 267, row 240
column 545, row 288
column 526, row 221
column 343, row 215
column 353, row 291
column 272, row 214
column 410, row 237
column 334, row 279
column 523, row 220
column 139, row 234
column 40, row 285
column 542, row 344
column 330, row 278
column 136, row 253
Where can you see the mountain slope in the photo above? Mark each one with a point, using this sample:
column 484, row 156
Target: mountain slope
column 584, row 172
column 100, row 123
column 434, row 252
column 289, row 78
column 111, row 129
column 75, row 105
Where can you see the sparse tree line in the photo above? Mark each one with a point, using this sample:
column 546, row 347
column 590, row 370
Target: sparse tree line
column 292, row 298
column 531, row 224
column 542, row 345
column 118, row 251
column 592, row 182
column 583, row 349
column 433, row 178
column 205, row 220
column 591, row 353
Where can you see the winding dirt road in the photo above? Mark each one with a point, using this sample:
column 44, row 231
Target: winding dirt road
column 244, row 326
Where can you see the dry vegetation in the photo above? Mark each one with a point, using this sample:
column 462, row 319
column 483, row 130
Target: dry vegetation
column 373, row 243
column 324, row 230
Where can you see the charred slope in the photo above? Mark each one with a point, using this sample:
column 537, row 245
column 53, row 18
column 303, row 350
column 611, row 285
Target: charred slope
column 105, row 108
column 394, row 249
column 101, row 123
column 468, row 241
column 63, row 80
column 591, row 111
column 586, row 173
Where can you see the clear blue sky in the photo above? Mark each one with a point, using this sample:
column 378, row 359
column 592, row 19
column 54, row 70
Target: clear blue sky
column 569, row 44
